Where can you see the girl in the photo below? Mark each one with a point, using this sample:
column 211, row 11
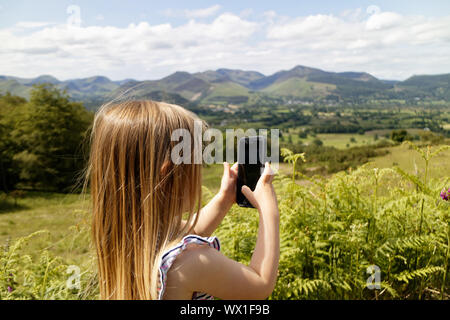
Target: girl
column 145, row 249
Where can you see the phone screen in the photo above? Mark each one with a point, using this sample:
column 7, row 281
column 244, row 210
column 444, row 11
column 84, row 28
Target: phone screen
column 251, row 151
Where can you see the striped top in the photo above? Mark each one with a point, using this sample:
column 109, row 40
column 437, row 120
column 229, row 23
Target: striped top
column 169, row 256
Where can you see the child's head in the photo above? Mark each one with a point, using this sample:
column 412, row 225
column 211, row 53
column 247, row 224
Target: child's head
column 139, row 195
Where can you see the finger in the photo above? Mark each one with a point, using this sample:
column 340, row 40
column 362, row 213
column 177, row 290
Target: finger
column 226, row 169
column 249, row 195
column 234, row 170
column 268, row 174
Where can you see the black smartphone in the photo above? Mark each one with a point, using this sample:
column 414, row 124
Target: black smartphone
column 251, row 160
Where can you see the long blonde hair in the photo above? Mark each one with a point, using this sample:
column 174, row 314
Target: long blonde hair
column 138, row 194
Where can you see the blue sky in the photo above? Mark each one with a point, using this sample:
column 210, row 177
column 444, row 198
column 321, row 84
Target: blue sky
column 151, row 39
column 122, row 13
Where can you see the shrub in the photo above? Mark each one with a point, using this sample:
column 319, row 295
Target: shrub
column 317, row 142
column 400, row 136
column 333, row 230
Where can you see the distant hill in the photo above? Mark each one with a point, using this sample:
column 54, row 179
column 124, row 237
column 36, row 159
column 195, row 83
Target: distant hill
column 92, row 91
column 238, row 76
column 227, row 86
column 438, row 86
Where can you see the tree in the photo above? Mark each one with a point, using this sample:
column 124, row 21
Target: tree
column 289, row 139
column 3, row 157
column 400, row 136
column 317, row 142
column 10, row 107
column 51, row 133
column 302, row 134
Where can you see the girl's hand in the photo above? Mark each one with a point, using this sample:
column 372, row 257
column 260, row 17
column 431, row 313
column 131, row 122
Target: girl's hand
column 263, row 197
column 228, row 185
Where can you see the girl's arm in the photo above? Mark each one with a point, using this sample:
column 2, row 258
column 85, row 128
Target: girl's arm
column 211, row 215
column 204, row 269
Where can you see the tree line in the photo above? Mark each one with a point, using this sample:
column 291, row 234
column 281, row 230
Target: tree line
column 42, row 140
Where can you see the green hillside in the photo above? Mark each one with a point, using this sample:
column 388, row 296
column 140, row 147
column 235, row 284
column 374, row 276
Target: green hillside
column 238, row 87
column 438, row 86
column 226, row 92
column 14, row 87
column 301, row 88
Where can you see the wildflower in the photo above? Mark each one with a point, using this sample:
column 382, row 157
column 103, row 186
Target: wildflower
column 445, row 195
column 10, row 289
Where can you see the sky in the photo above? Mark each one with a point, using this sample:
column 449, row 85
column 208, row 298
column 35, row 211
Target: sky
column 152, row 39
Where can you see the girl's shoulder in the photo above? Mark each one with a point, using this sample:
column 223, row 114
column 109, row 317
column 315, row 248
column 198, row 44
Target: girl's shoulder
column 169, row 256
column 187, row 240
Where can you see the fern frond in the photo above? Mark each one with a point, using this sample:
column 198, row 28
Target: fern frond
column 414, row 179
column 407, row 276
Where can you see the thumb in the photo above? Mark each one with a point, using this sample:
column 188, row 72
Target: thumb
column 268, row 174
column 247, row 192
column 226, row 169
column 234, row 169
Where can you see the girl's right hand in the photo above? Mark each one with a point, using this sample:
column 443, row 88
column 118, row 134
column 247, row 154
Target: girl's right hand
column 263, row 197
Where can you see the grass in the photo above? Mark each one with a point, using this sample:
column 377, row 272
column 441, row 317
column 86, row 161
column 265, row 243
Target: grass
column 344, row 140
column 401, row 156
column 411, row 162
column 212, row 174
column 63, row 216
column 59, row 214
column 337, row 140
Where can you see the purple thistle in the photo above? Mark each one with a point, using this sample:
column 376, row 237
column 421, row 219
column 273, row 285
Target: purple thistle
column 445, row 195
column 10, row 289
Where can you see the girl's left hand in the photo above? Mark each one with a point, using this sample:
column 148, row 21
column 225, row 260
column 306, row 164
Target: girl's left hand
column 228, row 184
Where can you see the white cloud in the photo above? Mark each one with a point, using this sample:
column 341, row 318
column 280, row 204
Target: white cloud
column 372, row 9
column 352, row 14
column 386, row 44
column 192, row 14
column 69, row 52
column 383, row 20
column 31, row 24
column 317, row 24
column 203, row 13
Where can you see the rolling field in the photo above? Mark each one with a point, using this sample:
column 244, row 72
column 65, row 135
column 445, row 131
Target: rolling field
column 330, row 219
column 62, row 215
column 337, row 140
column 344, row 140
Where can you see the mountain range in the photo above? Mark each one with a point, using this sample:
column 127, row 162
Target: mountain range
column 238, row 87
